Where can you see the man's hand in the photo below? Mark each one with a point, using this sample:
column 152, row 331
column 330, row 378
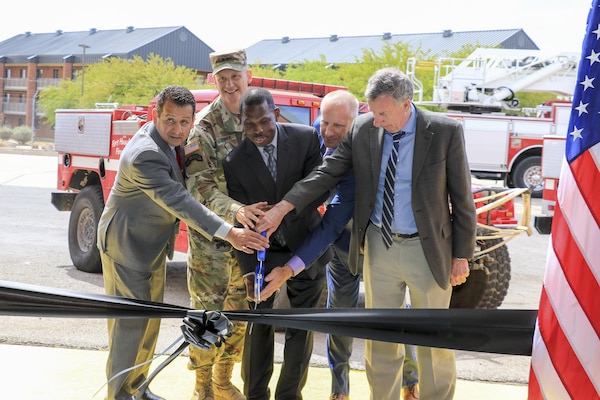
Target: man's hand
column 249, row 215
column 459, row 272
column 275, row 279
column 271, row 220
column 246, row 240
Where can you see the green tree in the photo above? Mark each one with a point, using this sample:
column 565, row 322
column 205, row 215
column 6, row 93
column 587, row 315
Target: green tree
column 353, row 75
column 117, row 80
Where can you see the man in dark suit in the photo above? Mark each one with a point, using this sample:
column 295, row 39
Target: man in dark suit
column 431, row 218
column 267, row 163
column 137, row 229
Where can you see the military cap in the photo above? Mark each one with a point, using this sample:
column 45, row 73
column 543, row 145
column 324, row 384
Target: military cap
column 235, row 60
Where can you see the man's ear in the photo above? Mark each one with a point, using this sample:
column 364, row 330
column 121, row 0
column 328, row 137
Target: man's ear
column 276, row 112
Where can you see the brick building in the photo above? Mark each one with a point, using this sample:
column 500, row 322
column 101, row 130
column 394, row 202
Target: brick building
column 29, row 62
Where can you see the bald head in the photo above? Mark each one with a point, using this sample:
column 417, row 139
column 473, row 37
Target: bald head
column 338, row 110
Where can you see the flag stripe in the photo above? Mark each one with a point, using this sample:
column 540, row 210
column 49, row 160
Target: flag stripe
column 543, row 368
column 585, row 173
column 576, row 270
column 579, row 338
column 566, row 362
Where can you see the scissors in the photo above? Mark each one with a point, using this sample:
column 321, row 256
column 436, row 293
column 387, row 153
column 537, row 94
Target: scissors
column 260, row 271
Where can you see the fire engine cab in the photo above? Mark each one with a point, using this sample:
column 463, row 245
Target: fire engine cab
column 90, row 142
column 480, row 92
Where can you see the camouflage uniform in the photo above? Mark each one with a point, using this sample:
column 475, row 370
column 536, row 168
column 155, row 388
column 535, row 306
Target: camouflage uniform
column 215, row 280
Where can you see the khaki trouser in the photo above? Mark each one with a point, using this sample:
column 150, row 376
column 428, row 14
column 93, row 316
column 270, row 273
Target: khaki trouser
column 387, row 273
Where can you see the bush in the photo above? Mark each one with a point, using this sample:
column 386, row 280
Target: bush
column 5, row 132
column 22, row 134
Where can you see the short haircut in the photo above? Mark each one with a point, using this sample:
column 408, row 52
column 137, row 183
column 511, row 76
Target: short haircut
column 257, row 96
column 391, row 82
column 178, row 95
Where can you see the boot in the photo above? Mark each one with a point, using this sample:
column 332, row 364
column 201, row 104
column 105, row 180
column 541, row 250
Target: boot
column 224, row 389
column 203, row 389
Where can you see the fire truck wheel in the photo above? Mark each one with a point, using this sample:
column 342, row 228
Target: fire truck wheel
column 83, row 227
column 486, row 287
column 528, row 173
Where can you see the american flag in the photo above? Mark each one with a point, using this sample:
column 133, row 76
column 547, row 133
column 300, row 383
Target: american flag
column 565, row 362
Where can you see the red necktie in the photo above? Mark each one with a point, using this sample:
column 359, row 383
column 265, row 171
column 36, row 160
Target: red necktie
column 179, row 159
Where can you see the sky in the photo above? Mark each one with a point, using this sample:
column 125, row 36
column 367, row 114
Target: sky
column 554, row 25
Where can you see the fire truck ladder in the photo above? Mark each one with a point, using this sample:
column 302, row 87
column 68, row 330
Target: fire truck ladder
column 490, row 77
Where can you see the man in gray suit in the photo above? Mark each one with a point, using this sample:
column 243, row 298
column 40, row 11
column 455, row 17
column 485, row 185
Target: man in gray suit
column 137, row 230
column 416, row 232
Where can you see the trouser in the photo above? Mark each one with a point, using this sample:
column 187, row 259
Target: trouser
column 131, row 341
column 387, row 274
column 215, row 282
column 343, row 292
column 257, row 364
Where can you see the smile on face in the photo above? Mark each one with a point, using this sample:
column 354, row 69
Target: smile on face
column 175, row 123
column 259, row 123
column 389, row 113
column 231, row 84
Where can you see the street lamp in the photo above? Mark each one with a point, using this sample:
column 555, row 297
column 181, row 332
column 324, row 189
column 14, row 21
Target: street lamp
column 83, row 46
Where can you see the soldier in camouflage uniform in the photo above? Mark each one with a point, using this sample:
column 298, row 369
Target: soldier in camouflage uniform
column 215, row 280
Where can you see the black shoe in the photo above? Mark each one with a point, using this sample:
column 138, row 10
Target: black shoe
column 148, row 395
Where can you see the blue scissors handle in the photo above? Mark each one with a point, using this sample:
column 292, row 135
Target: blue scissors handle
column 260, row 270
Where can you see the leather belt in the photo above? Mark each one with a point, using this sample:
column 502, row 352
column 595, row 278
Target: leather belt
column 405, row 236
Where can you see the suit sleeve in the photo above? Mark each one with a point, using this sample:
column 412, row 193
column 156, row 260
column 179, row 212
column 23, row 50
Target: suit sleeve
column 336, row 217
column 151, row 173
column 322, row 178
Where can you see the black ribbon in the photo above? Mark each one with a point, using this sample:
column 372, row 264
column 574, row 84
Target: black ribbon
column 490, row 331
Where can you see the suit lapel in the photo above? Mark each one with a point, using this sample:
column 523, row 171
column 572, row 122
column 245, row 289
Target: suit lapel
column 284, row 153
column 257, row 163
column 422, row 143
column 164, row 146
column 375, row 151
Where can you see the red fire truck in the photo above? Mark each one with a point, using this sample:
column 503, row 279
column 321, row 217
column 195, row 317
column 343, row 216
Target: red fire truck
column 480, row 92
column 90, row 142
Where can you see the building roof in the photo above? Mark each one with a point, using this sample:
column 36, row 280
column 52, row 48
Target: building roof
column 176, row 43
column 347, row 49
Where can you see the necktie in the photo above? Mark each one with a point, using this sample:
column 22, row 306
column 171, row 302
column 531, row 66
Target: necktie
column 387, row 214
column 328, row 152
column 178, row 158
column 271, row 163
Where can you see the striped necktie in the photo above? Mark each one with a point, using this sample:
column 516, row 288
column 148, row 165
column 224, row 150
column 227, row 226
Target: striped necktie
column 271, row 163
column 387, row 214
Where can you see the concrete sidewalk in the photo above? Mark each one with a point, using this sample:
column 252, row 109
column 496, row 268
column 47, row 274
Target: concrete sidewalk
column 34, row 372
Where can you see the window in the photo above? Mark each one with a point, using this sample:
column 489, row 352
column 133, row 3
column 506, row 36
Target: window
column 7, row 73
column 40, row 73
column 23, row 73
column 299, row 115
column 55, row 73
column 21, row 98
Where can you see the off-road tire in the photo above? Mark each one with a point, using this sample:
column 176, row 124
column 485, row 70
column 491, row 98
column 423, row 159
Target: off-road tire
column 487, row 287
column 83, row 229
